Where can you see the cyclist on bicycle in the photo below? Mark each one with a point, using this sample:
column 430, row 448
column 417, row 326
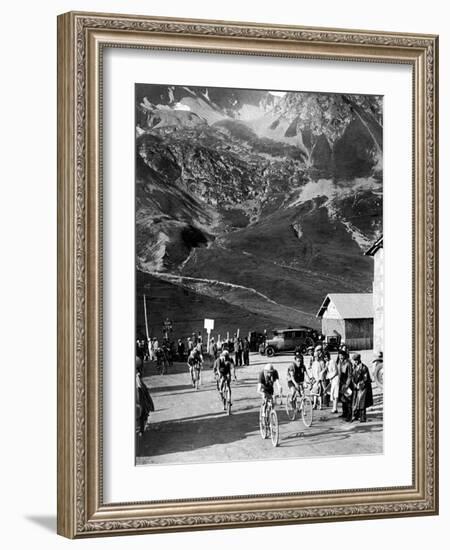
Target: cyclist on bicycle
column 296, row 375
column 194, row 361
column 222, row 372
column 267, row 380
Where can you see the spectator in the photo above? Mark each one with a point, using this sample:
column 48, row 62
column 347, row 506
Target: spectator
column 362, row 384
column 318, row 369
column 308, row 359
column 144, row 400
column 333, row 379
column 246, row 352
column 190, row 345
column 345, row 384
column 140, row 350
column 238, row 352
column 180, row 350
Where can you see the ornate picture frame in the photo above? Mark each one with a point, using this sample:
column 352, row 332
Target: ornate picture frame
column 82, row 38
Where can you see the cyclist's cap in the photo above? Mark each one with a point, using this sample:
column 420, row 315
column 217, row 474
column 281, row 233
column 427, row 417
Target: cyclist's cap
column 225, row 353
column 269, row 367
column 318, row 348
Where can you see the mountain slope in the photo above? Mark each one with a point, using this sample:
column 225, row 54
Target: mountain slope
column 256, row 201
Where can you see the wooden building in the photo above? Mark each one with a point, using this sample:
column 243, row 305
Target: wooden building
column 376, row 251
column 349, row 319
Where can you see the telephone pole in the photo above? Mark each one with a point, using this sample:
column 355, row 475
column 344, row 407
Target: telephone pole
column 145, row 316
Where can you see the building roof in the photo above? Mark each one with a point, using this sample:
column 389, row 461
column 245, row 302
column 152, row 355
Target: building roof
column 374, row 247
column 349, row 306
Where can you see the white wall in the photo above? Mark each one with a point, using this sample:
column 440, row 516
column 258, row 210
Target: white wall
column 28, row 289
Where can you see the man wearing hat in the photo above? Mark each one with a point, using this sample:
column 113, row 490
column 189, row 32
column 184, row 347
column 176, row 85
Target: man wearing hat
column 362, row 384
column 345, row 383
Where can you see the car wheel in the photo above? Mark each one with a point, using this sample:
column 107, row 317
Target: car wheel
column 378, row 375
column 270, row 352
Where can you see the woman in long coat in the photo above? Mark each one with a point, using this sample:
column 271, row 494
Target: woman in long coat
column 345, row 384
column 363, row 397
column 144, row 401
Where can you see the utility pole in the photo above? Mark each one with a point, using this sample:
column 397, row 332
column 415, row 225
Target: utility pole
column 145, row 316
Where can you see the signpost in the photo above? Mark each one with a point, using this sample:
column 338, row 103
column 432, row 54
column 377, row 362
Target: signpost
column 209, row 326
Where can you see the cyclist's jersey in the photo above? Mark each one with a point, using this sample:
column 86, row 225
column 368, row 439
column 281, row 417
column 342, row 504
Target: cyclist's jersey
column 194, row 360
column 222, row 368
column 296, row 372
column 268, row 381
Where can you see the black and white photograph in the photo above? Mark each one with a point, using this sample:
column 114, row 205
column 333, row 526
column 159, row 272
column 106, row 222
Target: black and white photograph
column 259, row 274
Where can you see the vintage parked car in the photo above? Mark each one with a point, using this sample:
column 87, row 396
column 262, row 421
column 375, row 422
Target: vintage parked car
column 332, row 342
column 286, row 340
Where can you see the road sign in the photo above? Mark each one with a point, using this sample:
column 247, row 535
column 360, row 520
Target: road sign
column 209, row 324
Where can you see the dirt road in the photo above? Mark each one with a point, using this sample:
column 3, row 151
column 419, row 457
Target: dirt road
column 189, row 426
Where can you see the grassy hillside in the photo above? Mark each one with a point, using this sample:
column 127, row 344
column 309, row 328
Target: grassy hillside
column 188, row 309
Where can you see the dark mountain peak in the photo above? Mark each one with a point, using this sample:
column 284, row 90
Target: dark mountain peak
column 256, row 193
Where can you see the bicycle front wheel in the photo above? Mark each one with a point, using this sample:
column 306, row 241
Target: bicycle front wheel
column 291, row 407
column 274, row 428
column 307, row 411
column 262, row 422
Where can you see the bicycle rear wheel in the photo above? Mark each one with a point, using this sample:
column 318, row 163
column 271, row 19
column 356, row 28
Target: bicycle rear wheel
column 197, row 379
column 291, row 407
column 262, row 422
column 274, row 428
column 307, row 411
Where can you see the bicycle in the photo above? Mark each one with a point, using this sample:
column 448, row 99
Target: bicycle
column 224, row 390
column 300, row 403
column 268, row 421
column 196, row 376
column 163, row 361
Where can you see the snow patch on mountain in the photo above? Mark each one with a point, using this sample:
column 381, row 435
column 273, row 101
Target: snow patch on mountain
column 313, row 189
column 298, row 229
column 361, row 240
column 156, row 252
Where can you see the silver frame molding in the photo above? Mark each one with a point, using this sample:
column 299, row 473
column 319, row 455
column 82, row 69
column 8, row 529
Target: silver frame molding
column 81, row 38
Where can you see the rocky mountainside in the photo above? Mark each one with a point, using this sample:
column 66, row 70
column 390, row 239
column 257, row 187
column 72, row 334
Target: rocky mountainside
column 255, row 200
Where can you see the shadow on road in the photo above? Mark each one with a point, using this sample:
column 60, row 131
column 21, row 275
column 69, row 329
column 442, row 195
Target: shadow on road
column 171, row 389
column 202, row 431
column 320, row 433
